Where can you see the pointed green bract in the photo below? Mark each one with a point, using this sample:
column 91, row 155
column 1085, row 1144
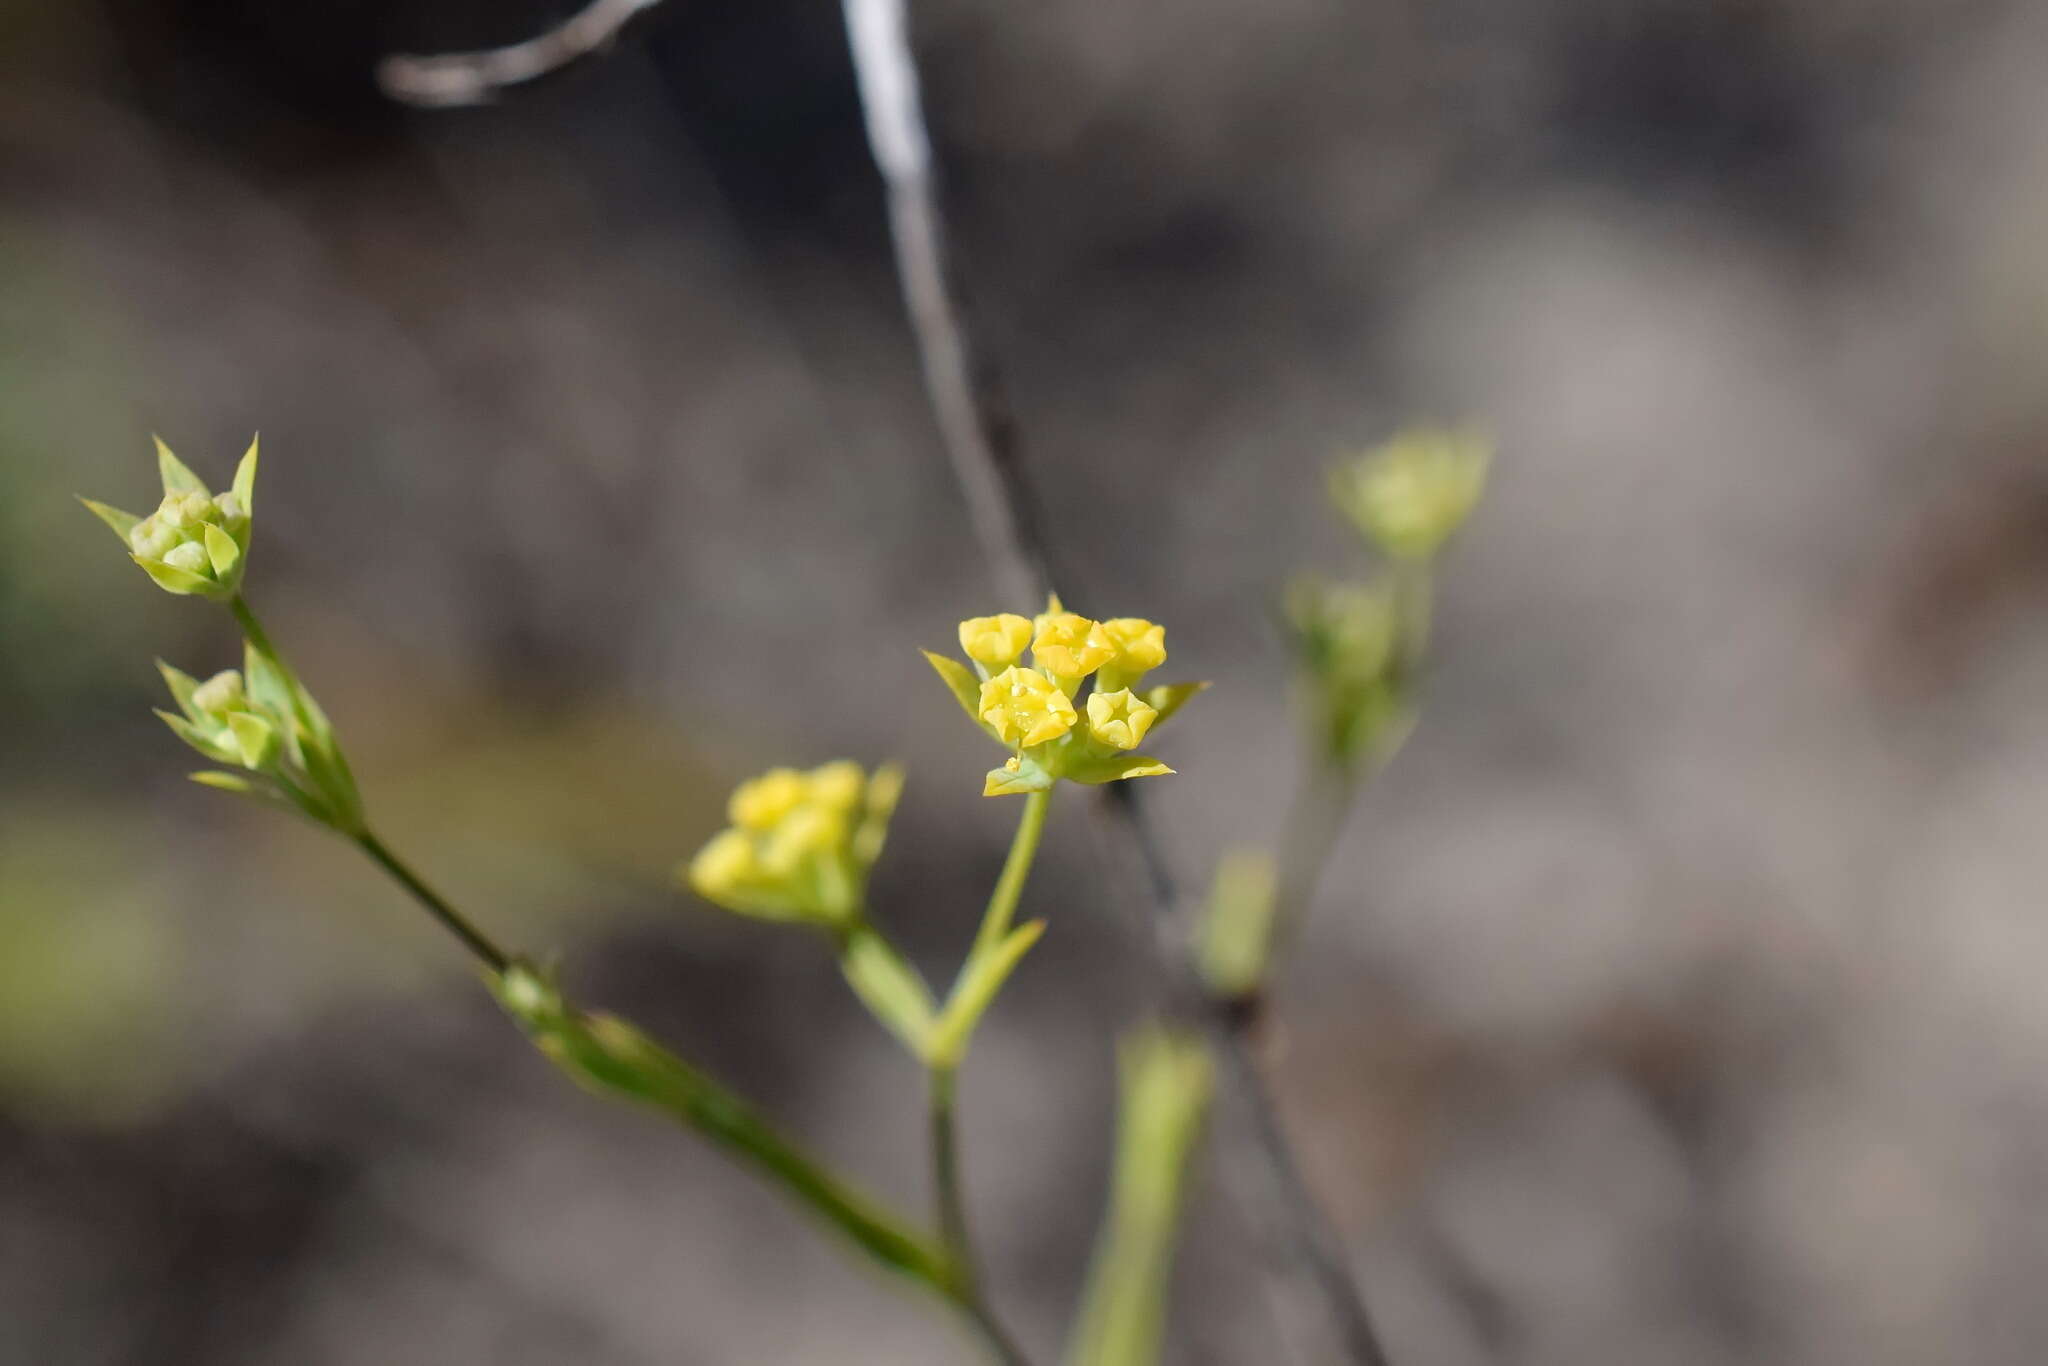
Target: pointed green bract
column 889, row 987
column 1168, row 698
column 245, row 479
column 960, row 680
column 226, row 782
column 255, row 738
column 177, row 478
column 1027, row 775
column 119, row 522
column 172, row 579
column 976, row 990
column 181, row 685
column 1116, row 768
column 222, row 552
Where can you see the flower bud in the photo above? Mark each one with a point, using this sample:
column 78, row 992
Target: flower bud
column 1140, row 647
column 1409, row 495
column 194, row 543
column 1070, row 646
column 995, row 643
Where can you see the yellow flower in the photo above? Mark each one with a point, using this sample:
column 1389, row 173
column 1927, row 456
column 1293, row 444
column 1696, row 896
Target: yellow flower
column 760, row 803
column 1070, row 646
column 1026, row 707
column 805, row 833
column 1119, row 719
column 724, row 867
column 995, row 643
column 1410, row 494
column 837, row 785
column 1140, row 647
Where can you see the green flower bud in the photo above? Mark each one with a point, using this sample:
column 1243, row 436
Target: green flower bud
column 194, row 543
column 1409, row 495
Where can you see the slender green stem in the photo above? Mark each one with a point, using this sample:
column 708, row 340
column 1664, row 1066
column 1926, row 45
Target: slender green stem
column 946, row 1188
column 473, row 939
column 1002, row 902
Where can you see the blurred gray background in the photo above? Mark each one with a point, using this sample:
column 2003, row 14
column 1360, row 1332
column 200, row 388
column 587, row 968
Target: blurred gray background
column 1677, row 994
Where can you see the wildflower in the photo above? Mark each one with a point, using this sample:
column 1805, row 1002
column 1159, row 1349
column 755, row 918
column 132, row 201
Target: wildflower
column 1068, row 646
column 995, row 643
column 800, row 844
column 218, row 719
column 1118, row 719
column 196, row 542
column 1032, row 709
column 1026, row 707
column 1139, row 647
column 1410, row 494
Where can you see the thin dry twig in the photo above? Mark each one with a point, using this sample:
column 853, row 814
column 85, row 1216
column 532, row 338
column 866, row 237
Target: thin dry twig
column 458, row 78
column 980, row 441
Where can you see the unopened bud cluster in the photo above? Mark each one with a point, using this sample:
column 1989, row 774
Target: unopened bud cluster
column 196, row 542
column 1031, row 707
column 800, row 844
column 1411, row 494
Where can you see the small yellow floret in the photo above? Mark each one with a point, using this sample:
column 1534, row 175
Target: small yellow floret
column 1070, row 645
column 837, row 785
column 1140, row 648
column 995, row 642
column 1119, row 718
column 723, row 867
column 1026, row 707
column 759, row 803
column 808, row 832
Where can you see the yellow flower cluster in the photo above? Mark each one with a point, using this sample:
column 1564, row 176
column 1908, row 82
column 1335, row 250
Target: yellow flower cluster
column 800, row 844
column 1410, row 494
column 1031, row 707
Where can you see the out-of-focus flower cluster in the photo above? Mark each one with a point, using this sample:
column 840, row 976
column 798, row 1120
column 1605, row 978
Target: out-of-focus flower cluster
column 1360, row 644
column 800, row 845
column 1031, row 708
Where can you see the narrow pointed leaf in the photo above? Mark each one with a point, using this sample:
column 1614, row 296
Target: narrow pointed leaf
column 226, row 782
column 245, row 478
column 223, row 551
column 1168, row 698
column 172, row 579
column 121, row 523
column 960, row 680
column 885, row 787
column 1096, row 771
column 196, row 738
column 976, row 990
column 177, row 479
column 181, row 685
column 889, row 987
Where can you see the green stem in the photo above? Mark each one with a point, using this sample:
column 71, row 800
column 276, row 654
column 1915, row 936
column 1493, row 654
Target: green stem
column 1002, row 902
column 950, row 1197
column 473, row 939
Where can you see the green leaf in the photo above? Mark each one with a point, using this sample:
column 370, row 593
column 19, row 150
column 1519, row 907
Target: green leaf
column 1116, row 767
column 961, row 681
column 1028, row 776
column 226, row 782
column 268, row 684
column 245, row 479
column 223, row 551
column 181, row 685
column 120, row 522
column 172, row 579
column 976, row 990
column 177, row 479
column 1168, row 698
column 197, row 738
column 889, row 987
